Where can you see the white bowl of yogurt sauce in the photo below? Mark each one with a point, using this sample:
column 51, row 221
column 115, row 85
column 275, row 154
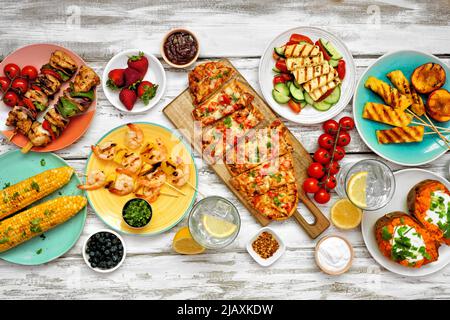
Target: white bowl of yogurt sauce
column 334, row 254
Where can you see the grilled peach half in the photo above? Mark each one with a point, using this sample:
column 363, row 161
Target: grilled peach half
column 438, row 105
column 428, row 77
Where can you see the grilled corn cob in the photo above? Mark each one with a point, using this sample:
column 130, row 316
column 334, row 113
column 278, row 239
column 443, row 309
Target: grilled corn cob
column 399, row 80
column 295, row 63
column 305, row 74
column 400, row 135
column 390, row 95
column 41, row 218
column 24, row 193
column 301, row 50
column 386, row 114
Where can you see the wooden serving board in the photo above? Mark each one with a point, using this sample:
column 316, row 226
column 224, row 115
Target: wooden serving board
column 179, row 112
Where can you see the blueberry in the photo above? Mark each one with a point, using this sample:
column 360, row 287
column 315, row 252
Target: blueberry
column 93, row 265
column 107, row 252
column 92, row 253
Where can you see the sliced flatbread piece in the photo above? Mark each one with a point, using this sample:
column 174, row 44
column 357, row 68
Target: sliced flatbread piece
column 319, row 92
column 301, row 50
column 385, row 114
column 401, row 135
column 278, row 204
column 260, row 146
column 390, row 95
column 267, row 176
column 232, row 97
column 295, row 63
column 207, row 78
column 320, row 81
column 402, row 84
column 305, row 74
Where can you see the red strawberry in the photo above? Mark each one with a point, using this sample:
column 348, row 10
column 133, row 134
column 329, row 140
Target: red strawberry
column 131, row 76
column 128, row 98
column 146, row 91
column 139, row 63
column 116, row 79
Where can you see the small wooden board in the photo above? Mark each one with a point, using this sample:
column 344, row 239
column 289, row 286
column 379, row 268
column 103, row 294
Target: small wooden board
column 179, row 112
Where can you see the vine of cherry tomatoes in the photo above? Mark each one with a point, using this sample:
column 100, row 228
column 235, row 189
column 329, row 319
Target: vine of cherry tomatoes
column 15, row 83
column 331, row 150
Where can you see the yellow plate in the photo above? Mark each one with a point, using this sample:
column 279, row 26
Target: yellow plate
column 167, row 211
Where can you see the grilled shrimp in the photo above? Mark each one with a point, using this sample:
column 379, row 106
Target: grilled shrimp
column 155, row 153
column 132, row 162
column 95, row 180
column 178, row 173
column 154, row 179
column 124, row 183
column 149, row 194
column 134, row 137
column 105, row 151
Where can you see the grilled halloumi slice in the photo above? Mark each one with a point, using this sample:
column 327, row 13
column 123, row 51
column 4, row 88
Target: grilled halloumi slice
column 402, row 84
column 390, row 95
column 320, row 81
column 305, row 74
column 301, row 50
column 385, row 114
column 319, row 92
column 295, row 63
column 401, row 135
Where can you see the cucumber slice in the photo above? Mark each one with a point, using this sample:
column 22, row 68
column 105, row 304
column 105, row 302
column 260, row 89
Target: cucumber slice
column 303, row 104
column 322, row 105
column 282, row 88
column 334, row 96
column 331, row 49
column 279, row 51
column 297, row 84
column 279, row 97
column 275, row 69
column 296, row 93
column 333, row 63
column 289, row 84
column 308, row 98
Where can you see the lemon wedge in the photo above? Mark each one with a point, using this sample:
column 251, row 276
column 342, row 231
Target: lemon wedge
column 345, row 215
column 217, row 227
column 184, row 243
column 356, row 189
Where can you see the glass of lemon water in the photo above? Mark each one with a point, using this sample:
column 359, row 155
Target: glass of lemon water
column 214, row 222
column 369, row 184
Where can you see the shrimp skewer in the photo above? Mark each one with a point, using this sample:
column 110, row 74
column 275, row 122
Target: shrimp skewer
column 95, row 180
column 134, row 137
column 153, row 154
column 124, row 183
column 105, row 151
column 178, row 173
column 132, row 162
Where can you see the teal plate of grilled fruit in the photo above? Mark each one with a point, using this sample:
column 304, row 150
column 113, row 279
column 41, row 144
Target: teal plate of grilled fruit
column 42, row 212
column 397, row 101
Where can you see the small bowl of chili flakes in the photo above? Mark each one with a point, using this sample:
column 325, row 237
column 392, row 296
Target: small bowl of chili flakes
column 266, row 247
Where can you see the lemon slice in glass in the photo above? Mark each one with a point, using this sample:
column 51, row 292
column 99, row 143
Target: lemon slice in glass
column 356, row 189
column 345, row 215
column 217, row 227
column 184, row 243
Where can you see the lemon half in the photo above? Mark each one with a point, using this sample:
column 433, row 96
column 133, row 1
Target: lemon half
column 345, row 215
column 184, row 243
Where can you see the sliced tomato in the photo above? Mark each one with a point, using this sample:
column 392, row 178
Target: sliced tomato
column 295, row 37
column 324, row 51
column 52, row 73
column 279, row 79
column 341, row 69
column 291, row 43
column 286, row 76
column 281, row 65
column 296, row 107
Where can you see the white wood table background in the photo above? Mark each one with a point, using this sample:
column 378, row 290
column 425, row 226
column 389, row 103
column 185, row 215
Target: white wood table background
column 238, row 30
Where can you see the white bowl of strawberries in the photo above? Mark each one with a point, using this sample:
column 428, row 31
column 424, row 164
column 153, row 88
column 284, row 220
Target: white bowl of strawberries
column 134, row 81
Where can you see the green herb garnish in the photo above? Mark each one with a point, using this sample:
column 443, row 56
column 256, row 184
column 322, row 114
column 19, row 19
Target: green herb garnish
column 137, row 213
column 35, row 186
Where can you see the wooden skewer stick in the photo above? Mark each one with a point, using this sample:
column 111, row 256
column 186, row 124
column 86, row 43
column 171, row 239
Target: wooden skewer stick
column 169, row 194
column 429, row 133
column 193, row 187
column 429, row 126
column 27, row 147
column 174, row 188
column 433, row 127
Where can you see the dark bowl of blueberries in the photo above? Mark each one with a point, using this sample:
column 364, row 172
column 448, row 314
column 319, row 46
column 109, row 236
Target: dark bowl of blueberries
column 104, row 251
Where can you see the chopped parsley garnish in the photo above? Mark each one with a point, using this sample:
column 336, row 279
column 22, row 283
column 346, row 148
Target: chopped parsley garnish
column 6, row 185
column 39, row 251
column 227, row 122
column 277, row 201
column 35, row 186
column 4, row 240
column 35, row 225
column 385, row 234
column 15, row 195
column 43, row 162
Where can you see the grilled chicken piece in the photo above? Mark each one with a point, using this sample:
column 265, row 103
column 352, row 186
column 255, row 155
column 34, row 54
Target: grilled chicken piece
column 402, row 84
column 85, row 80
column 54, row 118
column 63, row 62
column 319, row 92
column 386, row 114
column 20, row 118
column 295, row 63
column 37, row 96
column 320, row 81
column 301, row 50
column 38, row 136
column 305, row 74
column 390, row 95
column 48, row 83
column 401, row 135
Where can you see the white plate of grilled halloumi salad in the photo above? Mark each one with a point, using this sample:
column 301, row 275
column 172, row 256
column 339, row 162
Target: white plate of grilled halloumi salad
column 307, row 75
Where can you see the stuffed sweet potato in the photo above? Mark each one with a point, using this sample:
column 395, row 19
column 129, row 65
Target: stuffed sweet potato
column 403, row 240
column 429, row 203
column 428, row 77
column 438, row 105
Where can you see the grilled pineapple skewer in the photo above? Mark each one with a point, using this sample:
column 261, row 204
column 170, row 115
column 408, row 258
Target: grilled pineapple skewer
column 390, row 95
column 386, row 114
column 399, row 80
column 401, row 135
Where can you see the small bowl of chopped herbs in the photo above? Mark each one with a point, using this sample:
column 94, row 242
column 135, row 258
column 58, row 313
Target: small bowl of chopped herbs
column 104, row 251
column 137, row 213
